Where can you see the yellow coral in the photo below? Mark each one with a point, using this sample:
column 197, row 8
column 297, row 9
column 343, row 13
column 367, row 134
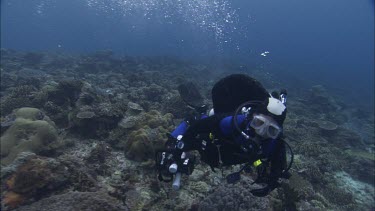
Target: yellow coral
column 154, row 119
column 26, row 134
column 29, row 113
column 138, row 146
column 149, row 134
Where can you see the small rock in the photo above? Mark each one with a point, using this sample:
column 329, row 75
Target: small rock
column 85, row 115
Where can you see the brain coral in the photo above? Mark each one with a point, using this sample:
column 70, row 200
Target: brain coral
column 141, row 144
column 138, row 146
column 31, row 131
column 147, row 134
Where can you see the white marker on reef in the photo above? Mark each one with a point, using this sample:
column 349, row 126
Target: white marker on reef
column 265, row 53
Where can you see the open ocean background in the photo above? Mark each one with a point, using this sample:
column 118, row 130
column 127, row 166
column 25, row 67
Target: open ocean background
column 310, row 42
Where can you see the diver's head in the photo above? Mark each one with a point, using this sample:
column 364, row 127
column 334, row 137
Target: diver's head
column 267, row 121
column 266, row 117
column 265, row 126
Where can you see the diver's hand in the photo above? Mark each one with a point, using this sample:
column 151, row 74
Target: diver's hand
column 270, row 186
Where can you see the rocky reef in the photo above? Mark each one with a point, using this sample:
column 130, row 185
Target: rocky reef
column 80, row 132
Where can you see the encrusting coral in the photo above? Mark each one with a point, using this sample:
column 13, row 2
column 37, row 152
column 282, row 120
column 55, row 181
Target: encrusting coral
column 74, row 200
column 34, row 178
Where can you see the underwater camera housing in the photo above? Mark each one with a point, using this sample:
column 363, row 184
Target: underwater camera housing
column 171, row 164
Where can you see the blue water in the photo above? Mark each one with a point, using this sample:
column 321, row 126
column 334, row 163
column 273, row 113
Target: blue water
column 322, row 41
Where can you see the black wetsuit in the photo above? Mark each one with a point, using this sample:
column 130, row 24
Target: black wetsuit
column 215, row 137
column 220, row 148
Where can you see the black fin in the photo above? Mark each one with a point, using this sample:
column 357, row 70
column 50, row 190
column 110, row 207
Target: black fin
column 233, row 177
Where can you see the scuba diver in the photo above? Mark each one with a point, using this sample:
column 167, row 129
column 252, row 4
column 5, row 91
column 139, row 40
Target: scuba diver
column 244, row 127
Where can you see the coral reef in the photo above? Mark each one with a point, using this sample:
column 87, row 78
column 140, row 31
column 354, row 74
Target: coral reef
column 322, row 100
column 148, row 134
column 326, row 126
column 233, row 197
column 89, row 121
column 78, row 132
column 337, row 196
column 85, row 201
column 297, row 189
column 34, row 179
column 355, row 191
column 133, row 109
column 65, row 93
column 139, row 146
column 31, row 131
column 20, row 96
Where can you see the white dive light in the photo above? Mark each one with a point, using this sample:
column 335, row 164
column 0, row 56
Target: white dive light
column 177, row 181
column 275, row 106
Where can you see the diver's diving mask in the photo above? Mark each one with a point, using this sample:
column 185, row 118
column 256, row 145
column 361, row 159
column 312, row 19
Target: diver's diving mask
column 265, row 126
